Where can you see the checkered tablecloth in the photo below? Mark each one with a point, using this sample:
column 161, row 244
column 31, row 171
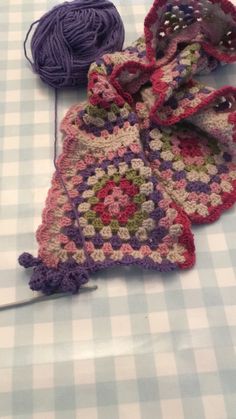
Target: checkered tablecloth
column 144, row 345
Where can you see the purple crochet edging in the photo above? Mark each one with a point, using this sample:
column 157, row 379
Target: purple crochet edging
column 68, row 277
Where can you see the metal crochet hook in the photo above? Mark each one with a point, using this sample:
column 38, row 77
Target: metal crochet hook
column 41, row 298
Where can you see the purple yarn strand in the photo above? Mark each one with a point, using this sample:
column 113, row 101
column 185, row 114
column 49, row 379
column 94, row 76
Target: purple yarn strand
column 70, row 37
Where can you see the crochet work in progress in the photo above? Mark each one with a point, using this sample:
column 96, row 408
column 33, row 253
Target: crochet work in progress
column 150, row 152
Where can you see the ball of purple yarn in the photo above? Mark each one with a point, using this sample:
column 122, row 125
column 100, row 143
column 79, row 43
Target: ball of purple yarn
column 73, row 35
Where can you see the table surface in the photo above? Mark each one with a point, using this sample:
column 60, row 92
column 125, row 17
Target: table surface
column 144, row 345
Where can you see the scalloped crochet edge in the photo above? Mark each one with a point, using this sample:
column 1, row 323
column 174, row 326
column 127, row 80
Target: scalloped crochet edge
column 229, row 200
column 50, row 280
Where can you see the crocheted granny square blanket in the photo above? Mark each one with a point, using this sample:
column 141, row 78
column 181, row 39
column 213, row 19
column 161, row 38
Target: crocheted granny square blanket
column 150, row 152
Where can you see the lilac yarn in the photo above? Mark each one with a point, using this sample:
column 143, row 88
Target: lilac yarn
column 70, row 37
column 28, row 261
column 67, row 277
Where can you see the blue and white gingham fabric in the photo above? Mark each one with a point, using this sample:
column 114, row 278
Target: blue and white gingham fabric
column 144, row 345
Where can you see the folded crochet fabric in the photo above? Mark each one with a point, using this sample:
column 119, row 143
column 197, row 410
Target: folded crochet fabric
column 151, row 151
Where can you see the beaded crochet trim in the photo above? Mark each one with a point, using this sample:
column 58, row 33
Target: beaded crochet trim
column 151, row 151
